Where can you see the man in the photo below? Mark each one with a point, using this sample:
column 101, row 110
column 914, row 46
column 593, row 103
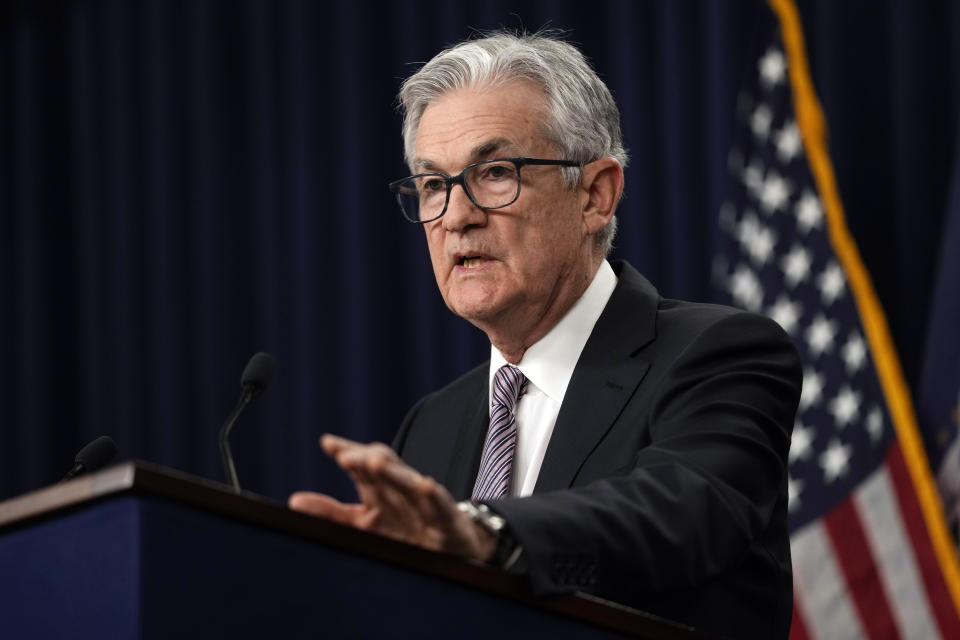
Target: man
column 620, row 443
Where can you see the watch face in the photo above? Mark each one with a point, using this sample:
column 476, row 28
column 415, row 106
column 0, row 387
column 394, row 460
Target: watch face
column 494, row 522
column 481, row 514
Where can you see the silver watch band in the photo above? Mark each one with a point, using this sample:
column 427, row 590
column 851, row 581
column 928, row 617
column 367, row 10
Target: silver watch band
column 508, row 550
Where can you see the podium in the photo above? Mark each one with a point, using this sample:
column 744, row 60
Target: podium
column 139, row 551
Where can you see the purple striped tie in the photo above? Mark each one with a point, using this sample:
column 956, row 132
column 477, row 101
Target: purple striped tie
column 494, row 475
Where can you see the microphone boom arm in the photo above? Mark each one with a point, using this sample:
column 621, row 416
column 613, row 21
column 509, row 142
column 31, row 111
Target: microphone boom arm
column 226, row 456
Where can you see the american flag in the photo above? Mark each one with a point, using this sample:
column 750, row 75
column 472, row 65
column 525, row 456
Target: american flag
column 863, row 539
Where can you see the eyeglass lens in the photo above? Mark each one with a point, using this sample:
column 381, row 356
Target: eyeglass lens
column 489, row 184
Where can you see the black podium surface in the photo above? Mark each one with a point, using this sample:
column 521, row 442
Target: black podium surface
column 139, row 551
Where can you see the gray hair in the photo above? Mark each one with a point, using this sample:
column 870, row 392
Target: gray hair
column 582, row 119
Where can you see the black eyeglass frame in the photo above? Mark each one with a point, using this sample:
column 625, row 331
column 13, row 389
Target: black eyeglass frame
column 449, row 181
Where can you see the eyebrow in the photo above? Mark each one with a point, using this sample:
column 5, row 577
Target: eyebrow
column 480, row 152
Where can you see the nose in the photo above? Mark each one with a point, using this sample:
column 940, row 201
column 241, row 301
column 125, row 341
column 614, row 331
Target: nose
column 461, row 212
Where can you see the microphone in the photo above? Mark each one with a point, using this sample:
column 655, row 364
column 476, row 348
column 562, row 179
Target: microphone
column 256, row 376
column 92, row 457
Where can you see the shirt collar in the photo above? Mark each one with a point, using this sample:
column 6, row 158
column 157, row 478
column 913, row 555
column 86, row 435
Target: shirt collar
column 550, row 361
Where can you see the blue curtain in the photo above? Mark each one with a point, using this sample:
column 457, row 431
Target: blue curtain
column 185, row 183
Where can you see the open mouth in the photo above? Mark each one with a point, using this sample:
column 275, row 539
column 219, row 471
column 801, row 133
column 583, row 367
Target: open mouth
column 469, row 262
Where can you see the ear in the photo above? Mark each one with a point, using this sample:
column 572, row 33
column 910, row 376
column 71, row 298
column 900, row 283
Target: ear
column 601, row 183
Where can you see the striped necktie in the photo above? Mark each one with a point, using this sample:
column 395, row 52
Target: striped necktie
column 493, row 479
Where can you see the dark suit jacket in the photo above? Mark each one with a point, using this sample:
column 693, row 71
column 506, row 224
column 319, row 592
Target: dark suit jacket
column 664, row 483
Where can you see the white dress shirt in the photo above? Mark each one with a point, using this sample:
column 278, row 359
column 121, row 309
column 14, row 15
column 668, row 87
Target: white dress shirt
column 548, row 364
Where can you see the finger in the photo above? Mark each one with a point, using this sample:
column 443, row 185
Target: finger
column 391, row 491
column 381, row 497
column 354, row 455
column 337, row 448
column 331, row 444
column 372, row 456
column 311, row 502
column 366, row 486
column 430, row 499
column 395, row 503
column 322, row 506
column 396, row 472
column 340, row 449
column 397, row 478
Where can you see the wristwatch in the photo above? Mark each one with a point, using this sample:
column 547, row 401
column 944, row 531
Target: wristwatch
column 508, row 550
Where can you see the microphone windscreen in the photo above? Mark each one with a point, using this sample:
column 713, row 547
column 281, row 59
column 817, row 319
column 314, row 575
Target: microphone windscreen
column 258, row 372
column 97, row 454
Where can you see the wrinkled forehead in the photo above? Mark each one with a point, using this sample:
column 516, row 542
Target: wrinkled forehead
column 478, row 123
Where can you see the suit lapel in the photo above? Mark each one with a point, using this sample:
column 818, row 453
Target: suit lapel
column 465, row 461
column 606, row 377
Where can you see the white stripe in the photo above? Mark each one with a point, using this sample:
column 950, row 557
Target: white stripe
column 889, row 541
column 821, row 593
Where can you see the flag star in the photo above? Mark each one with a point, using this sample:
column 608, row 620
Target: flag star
column 794, row 489
column 809, row 212
column 820, row 335
column 763, row 244
column 874, row 424
column 831, row 283
column 745, row 288
column 747, row 229
column 786, row 313
column 773, row 68
column 760, row 121
column 854, row 352
column 753, row 177
column 845, row 406
column 775, row 192
column 801, row 442
column 835, row 460
column 787, row 140
column 812, row 388
column 757, row 239
column 796, row 265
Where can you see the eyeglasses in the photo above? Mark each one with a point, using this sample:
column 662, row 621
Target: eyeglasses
column 491, row 184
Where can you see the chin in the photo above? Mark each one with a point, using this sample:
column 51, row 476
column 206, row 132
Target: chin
column 481, row 300
column 471, row 313
column 471, row 309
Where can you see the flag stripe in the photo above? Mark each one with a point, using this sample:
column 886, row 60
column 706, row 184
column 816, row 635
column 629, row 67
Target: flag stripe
column 933, row 579
column 798, row 629
column 813, row 134
column 853, row 552
column 821, row 594
column 883, row 522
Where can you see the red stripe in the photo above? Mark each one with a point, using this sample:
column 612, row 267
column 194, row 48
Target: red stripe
column 798, row 630
column 860, row 570
column 937, row 594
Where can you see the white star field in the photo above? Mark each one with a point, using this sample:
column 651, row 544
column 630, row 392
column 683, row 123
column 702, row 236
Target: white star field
column 780, row 262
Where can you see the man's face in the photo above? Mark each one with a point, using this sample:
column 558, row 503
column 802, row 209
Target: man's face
column 516, row 268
